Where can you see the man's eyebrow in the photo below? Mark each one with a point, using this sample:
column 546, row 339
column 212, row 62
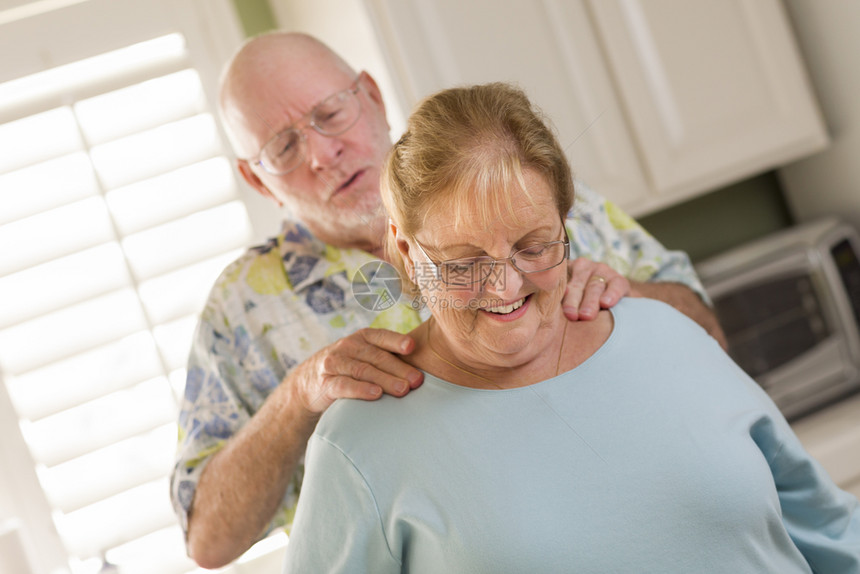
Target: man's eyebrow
column 272, row 129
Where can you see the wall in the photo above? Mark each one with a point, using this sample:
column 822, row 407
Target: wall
column 829, row 182
column 345, row 27
column 702, row 227
column 722, row 219
column 255, row 15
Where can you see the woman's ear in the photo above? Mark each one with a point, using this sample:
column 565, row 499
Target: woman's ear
column 402, row 248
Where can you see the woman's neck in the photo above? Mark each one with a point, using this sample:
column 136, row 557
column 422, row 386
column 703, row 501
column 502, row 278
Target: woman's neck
column 438, row 356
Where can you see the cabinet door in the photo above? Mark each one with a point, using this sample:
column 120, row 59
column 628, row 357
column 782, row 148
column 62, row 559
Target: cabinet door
column 545, row 46
column 714, row 90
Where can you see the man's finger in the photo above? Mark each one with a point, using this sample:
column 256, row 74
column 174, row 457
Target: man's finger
column 388, row 340
column 573, row 294
column 617, row 288
column 358, row 357
column 594, row 289
column 391, row 384
column 344, row 387
column 387, row 363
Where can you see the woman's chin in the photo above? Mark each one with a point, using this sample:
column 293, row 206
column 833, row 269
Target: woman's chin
column 510, row 346
column 515, row 342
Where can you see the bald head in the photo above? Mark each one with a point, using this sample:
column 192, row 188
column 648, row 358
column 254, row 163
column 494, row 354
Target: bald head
column 262, row 77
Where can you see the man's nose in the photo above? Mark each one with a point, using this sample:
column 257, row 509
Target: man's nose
column 322, row 151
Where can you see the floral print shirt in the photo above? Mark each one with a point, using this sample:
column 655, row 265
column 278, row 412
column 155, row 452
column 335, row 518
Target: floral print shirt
column 281, row 302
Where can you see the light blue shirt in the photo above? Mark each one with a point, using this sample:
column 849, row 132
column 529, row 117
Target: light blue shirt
column 657, row 454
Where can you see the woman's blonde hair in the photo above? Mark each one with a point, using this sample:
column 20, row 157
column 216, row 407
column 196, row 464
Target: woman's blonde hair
column 470, row 146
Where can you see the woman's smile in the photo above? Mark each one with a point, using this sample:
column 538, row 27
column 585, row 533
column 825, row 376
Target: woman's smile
column 508, row 312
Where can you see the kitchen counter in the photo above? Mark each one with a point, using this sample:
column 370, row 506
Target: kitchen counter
column 832, row 436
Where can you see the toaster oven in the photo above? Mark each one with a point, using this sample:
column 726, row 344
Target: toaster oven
column 789, row 304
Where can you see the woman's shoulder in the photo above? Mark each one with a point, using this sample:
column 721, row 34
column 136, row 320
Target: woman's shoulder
column 354, row 412
column 633, row 327
column 350, row 424
column 653, row 314
column 654, row 329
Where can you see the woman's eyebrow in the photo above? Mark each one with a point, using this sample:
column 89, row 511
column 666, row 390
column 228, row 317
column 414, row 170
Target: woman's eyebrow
column 463, row 247
column 439, row 249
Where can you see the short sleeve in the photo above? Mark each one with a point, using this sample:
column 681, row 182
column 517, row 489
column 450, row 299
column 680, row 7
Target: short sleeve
column 338, row 528
column 601, row 231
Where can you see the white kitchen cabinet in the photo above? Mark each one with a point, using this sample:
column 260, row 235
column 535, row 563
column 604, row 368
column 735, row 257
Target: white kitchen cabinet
column 549, row 49
column 655, row 101
column 714, row 90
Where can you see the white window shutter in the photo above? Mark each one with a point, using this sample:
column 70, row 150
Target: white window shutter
column 118, row 208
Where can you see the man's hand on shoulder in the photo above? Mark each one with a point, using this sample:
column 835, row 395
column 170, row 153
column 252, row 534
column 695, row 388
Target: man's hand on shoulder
column 363, row 365
column 592, row 286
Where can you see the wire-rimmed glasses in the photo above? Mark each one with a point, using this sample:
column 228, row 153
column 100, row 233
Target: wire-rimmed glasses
column 467, row 271
column 331, row 117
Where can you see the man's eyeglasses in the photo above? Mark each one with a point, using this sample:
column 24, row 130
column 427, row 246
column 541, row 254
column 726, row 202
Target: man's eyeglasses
column 331, row 117
column 467, row 271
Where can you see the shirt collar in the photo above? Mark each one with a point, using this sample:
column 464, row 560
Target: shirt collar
column 307, row 259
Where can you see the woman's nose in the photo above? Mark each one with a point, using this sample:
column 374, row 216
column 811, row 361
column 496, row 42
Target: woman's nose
column 504, row 281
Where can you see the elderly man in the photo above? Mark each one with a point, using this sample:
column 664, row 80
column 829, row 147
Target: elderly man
column 282, row 336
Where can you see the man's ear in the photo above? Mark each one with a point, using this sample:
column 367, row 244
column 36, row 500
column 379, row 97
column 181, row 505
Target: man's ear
column 255, row 182
column 370, row 86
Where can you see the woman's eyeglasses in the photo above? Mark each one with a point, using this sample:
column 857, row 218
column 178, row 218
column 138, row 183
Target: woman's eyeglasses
column 467, row 271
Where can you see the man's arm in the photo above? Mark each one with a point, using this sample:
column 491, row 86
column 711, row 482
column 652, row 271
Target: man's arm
column 244, row 483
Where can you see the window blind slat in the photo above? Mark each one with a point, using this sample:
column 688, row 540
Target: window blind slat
column 172, row 195
column 140, row 107
column 54, row 233
column 45, row 185
column 107, row 523
column 162, row 551
column 38, row 138
column 80, row 276
column 111, row 470
column 101, row 422
column 86, row 376
column 174, row 340
column 71, row 330
column 190, row 239
column 182, row 292
column 177, row 380
column 155, row 151
column 31, row 94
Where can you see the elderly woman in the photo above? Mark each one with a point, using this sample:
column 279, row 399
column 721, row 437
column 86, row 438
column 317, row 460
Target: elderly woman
column 631, row 443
